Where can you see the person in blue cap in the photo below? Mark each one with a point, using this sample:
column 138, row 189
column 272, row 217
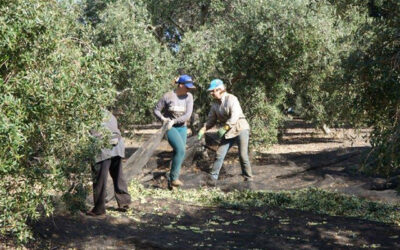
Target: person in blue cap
column 234, row 128
column 175, row 109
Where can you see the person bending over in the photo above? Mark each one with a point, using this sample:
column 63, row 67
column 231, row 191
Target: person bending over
column 226, row 111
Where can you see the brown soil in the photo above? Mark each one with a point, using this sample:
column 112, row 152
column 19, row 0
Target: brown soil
column 305, row 157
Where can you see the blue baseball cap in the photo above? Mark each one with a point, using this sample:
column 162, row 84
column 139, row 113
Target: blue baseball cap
column 187, row 81
column 216, row 83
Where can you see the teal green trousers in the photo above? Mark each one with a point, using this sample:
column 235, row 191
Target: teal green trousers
column 177, row 139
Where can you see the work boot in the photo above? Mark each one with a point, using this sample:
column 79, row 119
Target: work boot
column 176, row 183
column 123, row 208
column 94, row 214
column 248, row 178
column 210, row 181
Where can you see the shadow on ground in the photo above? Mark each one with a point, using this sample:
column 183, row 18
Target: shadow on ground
column 182, row 226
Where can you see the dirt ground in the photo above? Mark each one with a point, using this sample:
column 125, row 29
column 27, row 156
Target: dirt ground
column 305, row 157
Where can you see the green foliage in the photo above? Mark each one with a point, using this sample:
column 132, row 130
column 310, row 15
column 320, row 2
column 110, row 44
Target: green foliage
column 271, row 55
column 92, row 8
column 311, row 199
column 384, row 158
column 198, row 57
column 179, row 17
column 369, row 85
column 61, row 60
column 142, row 68
column 53, row 84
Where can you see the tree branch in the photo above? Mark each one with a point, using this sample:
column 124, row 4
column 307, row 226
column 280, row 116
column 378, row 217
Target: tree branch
column 177, row 25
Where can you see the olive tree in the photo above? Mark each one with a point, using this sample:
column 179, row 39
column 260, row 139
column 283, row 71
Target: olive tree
column 142, row 68
column 272, row 54
column 53, row 84
column 371, row 79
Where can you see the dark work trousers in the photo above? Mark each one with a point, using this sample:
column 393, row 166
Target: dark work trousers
column 100, row 173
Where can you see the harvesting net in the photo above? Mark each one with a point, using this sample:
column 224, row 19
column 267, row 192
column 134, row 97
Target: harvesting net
column 135, row 163
column 138, row 160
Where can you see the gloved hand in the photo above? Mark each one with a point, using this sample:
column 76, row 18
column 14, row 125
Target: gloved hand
column 170, row 124
column 165, row 119
column 201, row 133
column 222, row 131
